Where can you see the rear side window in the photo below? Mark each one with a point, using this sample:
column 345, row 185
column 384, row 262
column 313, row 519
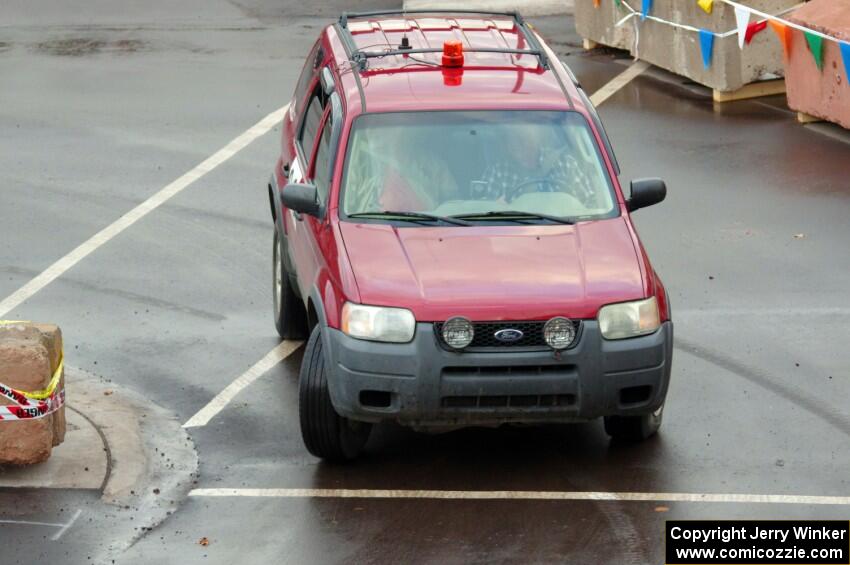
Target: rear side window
column 312, row 121
column 313, row 60
column 321, row 168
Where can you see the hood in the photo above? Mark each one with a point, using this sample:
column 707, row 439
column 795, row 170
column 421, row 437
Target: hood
column 495, row 272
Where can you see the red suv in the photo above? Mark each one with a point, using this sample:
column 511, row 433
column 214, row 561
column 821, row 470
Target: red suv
column 451, row 235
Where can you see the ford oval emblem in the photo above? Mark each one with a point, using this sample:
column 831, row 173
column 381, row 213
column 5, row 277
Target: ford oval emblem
column 508, row 335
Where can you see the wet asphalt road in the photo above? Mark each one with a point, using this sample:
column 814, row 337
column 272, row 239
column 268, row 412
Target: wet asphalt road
column 102, row 104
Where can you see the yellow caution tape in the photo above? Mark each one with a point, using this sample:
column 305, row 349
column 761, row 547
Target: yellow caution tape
column 51, row 388
column 54, row 381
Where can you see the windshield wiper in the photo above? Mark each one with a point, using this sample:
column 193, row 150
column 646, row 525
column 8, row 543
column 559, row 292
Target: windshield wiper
column 515, row 214
column 413, row 216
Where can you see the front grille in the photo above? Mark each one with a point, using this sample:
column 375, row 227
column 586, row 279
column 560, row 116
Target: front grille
column 518, row 371
column 509, row 401
column 485, row 339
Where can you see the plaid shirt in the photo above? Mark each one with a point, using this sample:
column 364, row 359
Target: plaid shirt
column 554, row 173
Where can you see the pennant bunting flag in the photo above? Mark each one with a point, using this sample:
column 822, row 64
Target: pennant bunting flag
column 706, row 43
column 595, row 3
column 742, row 18
column 753, row 29
column 845, row 54
column 746, row 31
column 645, row 8
column 784, row 33
column 816, row 46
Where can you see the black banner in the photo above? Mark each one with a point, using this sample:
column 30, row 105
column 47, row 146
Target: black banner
column 757, row 542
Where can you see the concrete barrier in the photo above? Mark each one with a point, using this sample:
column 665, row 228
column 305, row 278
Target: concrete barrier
column 597, row 25
column 525, row 7
column 29, row 355
column 678, row 50
column 811, row 92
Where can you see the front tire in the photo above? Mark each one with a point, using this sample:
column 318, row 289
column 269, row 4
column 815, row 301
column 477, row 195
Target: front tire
column 290, row 317
column 326, row 434
column 634, row 428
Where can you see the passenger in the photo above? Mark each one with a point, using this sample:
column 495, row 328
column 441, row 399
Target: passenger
column 378, row 182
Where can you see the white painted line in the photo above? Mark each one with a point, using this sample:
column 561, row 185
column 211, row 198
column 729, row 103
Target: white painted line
column 58, row 268
column 520, row 495
column 28, row 523
column 217, row 404
column 65, row 527
column 62, row 527
column 618, row 82
column 836, row 311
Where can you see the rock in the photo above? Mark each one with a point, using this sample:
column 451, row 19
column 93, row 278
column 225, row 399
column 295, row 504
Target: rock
column 29, row 354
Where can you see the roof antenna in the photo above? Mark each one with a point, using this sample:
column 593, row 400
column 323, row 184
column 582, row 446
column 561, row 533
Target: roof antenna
column 405, row 42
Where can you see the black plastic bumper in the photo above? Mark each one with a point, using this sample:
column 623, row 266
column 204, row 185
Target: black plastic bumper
column 422, row 384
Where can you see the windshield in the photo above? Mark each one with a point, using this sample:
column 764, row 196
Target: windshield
column 465, row 163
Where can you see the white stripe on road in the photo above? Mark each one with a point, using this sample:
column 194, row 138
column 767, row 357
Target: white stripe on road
column 618, row 82
column 756, row 313
column 62, row 527
column 28, row 523
column 222, row 399
column 65, row 527
column 521, row 495
column 58, row 268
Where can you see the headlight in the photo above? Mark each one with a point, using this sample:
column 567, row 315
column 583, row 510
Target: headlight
column 375, row 323
column 629, row 319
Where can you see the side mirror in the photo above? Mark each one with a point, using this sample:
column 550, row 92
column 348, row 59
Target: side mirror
column 646, row 192
column 302, row 198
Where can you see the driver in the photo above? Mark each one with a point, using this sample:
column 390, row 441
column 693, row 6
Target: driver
column 532, row 166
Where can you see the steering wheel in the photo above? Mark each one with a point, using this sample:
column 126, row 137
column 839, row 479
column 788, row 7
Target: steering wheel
column 516, row 191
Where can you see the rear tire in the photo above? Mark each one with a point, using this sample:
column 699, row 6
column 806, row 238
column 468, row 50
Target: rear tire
column 326, row 434
column 634, row 428
column 290, row 317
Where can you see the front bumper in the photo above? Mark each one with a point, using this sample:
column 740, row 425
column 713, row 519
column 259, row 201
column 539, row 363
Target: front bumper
column 421, row 384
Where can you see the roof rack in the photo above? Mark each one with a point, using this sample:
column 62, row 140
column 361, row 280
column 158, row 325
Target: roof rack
column 361, row 57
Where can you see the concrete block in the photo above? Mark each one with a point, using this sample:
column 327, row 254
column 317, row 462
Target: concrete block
column 525, row 7
column 678, row 50
column 29, row 354
column 811, row 92
column 597, row 24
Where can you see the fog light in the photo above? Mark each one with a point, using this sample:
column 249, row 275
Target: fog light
column 559, row 333
column 458, row 332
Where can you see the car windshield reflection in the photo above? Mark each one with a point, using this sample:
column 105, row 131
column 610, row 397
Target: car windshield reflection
column 464, row 164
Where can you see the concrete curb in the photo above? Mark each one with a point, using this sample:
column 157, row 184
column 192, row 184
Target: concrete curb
column 152, row 460
column 79, row 462
column 525, row 7
column 134, row 452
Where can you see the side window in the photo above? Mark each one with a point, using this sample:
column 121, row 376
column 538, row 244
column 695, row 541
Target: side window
column 310, row 126
column 321, row 167
column 313, row 60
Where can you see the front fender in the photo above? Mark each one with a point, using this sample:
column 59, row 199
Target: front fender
column 327, row 302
